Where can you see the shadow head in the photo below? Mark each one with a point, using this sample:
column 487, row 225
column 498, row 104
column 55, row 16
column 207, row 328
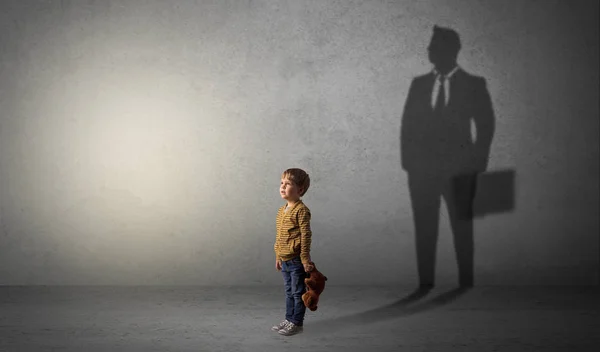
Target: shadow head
column 443, row 48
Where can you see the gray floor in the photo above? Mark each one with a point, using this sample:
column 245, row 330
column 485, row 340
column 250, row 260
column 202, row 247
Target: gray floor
column 349, row 319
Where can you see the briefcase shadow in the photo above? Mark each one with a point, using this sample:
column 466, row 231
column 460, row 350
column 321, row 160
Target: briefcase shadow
column 495, row 193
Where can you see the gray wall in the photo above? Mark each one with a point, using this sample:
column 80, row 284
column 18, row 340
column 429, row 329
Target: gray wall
column 141, row 142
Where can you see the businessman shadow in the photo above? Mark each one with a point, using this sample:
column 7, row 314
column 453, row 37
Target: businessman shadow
column 404, row 307
column 447, row 129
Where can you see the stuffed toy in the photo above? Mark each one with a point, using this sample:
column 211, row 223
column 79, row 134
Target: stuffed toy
column 315, row 284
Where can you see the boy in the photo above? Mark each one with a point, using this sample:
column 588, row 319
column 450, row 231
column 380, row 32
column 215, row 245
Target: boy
column 292, row 248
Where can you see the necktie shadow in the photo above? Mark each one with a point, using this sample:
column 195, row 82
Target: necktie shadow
column 404, row 307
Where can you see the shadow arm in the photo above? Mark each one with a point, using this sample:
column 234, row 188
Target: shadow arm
column 485, row 123
column 407, row 129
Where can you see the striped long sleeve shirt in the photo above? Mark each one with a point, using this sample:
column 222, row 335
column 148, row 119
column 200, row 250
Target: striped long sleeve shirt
column 293, row 233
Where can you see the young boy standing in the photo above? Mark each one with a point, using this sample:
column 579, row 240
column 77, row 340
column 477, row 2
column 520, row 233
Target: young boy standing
column 292, row 248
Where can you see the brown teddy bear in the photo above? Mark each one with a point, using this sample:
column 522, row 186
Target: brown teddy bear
column 315, row 284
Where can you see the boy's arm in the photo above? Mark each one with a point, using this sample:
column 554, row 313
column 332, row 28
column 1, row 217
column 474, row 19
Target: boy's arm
column 276, row 246
column 305, row 235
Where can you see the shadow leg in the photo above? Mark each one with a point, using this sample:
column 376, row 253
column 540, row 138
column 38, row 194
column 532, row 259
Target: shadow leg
column 425, row 199
column 459, row 195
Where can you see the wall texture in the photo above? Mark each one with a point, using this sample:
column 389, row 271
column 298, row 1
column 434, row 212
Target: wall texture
column 141, row 142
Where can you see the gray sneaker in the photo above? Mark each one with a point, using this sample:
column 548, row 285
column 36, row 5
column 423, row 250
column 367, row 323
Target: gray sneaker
column 290, row 329
column 280, row 326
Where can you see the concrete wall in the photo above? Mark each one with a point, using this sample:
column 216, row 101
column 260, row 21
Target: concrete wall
column 141, row 142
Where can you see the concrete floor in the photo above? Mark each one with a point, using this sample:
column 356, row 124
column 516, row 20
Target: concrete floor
column 89, row 319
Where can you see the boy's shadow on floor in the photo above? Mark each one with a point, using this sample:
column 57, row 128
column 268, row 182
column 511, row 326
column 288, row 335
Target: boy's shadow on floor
column 400, row 308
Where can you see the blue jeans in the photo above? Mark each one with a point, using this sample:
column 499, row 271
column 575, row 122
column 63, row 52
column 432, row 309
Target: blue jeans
column 293, row 278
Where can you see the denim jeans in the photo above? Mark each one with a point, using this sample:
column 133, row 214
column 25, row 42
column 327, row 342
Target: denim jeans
column 293, row 278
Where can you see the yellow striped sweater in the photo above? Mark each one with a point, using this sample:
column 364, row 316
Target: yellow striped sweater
column 293, row 233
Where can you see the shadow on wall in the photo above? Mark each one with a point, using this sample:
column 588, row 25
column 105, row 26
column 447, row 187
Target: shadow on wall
column 446, row 133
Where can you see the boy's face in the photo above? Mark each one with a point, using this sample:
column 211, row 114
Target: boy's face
column 288, row 190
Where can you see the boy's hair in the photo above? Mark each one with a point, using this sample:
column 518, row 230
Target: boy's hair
column 299, row 177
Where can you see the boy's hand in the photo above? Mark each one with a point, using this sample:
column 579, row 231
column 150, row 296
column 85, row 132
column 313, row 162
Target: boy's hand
column 308, row 267
column 278, row 265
